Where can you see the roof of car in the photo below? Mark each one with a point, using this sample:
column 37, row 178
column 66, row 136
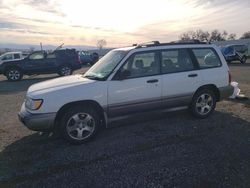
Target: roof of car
column 158, row 44
column 11, row 53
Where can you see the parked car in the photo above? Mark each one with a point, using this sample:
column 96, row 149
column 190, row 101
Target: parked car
column 10, row 56
column 235, row 53
column 127, row 81
column 88, row 58
column 63, row 62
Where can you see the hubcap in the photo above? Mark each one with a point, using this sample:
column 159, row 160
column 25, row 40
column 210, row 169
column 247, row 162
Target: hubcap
column 14, row 75
column 66, row 71
column 80, row 126
column 204, row 104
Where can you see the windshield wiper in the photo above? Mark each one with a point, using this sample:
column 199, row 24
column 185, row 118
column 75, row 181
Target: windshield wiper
column 92, row 77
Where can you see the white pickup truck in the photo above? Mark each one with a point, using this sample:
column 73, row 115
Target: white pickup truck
column 10, row 56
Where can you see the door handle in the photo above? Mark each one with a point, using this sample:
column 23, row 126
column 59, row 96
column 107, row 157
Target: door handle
column 192, row 75
column 152, row 81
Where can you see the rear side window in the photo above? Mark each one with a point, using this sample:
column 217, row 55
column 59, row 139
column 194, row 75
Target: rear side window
column 207, row 58
column 17, row 56
column 176, row 61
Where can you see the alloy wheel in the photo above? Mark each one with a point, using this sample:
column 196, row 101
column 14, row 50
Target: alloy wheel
column 14, row 74
column 80, row 126
column 204, row 104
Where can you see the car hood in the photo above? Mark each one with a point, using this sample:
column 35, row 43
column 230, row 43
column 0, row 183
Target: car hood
column 59, row 83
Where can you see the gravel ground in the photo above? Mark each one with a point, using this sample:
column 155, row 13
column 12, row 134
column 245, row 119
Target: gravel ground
column 157, row 150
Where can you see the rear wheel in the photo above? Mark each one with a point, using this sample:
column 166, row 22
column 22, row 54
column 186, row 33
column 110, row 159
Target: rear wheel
column 203, row 103
column 14, row 74
column 65, row 70
column 79, row 124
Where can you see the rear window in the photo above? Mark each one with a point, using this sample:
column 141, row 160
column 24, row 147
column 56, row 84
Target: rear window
column 207, row 58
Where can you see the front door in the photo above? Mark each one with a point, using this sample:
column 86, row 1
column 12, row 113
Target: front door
column 140, row 90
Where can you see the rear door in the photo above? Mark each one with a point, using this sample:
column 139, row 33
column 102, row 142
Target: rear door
column 180, row 77
column 141, row 90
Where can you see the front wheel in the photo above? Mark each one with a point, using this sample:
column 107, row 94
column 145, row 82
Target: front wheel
column 203, row 103
column 65, row 70
column 79, row 124
column 14, row 74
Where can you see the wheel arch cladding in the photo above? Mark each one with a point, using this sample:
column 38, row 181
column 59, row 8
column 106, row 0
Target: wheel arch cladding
column 211, row 87
column 88, row 103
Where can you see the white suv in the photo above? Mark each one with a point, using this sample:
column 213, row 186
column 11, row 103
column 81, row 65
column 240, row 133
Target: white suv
column 146, row 77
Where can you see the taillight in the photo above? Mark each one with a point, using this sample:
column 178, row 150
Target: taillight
column 229, row 77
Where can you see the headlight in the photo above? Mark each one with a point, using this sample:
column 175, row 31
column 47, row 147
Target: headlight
column 33, row 104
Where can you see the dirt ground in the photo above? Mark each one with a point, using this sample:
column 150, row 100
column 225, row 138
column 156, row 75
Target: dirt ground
column 158, row 150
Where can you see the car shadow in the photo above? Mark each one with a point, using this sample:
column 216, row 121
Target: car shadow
column 245, row 101
column 7, row 87
column 219, row 139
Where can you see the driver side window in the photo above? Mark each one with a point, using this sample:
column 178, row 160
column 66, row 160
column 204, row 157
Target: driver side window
column 37, row 55
column 141, row 65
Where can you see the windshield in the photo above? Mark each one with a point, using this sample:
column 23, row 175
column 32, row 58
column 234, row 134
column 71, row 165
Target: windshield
column 104, row 67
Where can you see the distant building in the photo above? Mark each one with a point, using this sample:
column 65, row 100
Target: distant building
column 240, row 41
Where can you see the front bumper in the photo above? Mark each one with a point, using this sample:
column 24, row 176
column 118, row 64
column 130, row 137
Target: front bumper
column 226, row 92
column 37, row 122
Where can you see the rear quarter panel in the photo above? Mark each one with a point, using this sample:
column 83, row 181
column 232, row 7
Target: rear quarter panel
column 218, row 75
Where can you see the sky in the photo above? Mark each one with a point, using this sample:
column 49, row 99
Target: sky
column 119, row 22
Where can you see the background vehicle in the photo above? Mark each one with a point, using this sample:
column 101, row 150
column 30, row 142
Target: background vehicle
column 88, row 58
column 128, row 81
column 63, row 62
column 10, row 56
column 235, row 53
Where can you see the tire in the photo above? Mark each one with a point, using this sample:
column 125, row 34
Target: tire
column 65, row 70
column 243, row 60
column 14, row 74
column 79, row 124
column 203, row 103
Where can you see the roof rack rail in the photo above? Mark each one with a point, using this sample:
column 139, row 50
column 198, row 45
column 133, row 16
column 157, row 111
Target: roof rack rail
column 193, row 41
column 180, row 42
column 147, row 44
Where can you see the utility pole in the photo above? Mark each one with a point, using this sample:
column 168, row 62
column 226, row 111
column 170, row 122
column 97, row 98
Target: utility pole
column 41, row 45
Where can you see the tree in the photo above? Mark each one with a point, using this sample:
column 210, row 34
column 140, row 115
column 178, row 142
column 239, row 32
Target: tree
column 101, row 43
column 245, row 35
column 198, row 34
column 205, row 36
column 232, row 36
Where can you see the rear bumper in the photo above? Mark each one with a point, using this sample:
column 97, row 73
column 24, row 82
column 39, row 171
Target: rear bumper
column 226, row 92
column 37, row 122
